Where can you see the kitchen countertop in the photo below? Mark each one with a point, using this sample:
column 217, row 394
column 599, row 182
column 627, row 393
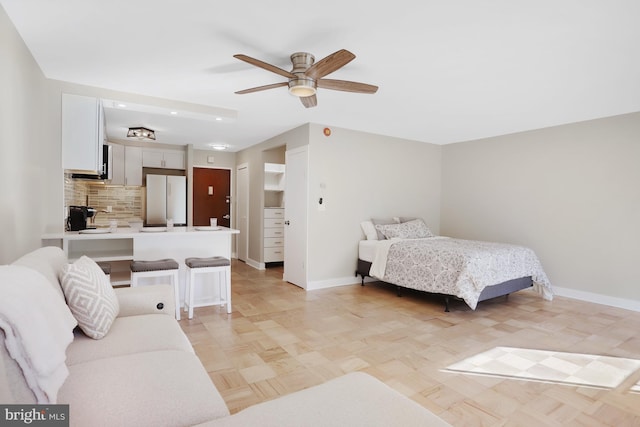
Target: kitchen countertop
column 128, row 232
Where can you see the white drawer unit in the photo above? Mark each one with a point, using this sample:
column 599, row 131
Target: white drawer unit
column 273, row 222
column 273, row 254
column 272, row 242
column 274, row 232
column 273, row 235
column 274, row 213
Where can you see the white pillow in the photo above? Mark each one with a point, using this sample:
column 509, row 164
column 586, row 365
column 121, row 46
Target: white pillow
column 369, row 230
column 90, row 297
column 415, row 229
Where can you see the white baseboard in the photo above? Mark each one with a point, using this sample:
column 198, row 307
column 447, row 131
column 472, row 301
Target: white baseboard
column 625, row 303
column 332, row 283
column 255, row 264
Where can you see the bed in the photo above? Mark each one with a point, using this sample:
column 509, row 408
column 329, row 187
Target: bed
column 409, row 256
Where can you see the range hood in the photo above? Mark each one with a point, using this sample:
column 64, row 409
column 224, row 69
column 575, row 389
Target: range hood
column 102, row 175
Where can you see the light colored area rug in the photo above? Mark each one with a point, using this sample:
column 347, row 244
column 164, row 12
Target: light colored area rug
column 550, row 366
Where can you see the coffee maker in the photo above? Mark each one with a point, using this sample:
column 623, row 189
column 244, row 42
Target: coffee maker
column 78, row 216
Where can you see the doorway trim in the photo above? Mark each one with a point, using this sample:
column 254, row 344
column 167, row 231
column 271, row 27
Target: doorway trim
column 245, row 236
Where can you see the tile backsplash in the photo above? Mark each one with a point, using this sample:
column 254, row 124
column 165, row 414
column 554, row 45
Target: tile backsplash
column 126, row 202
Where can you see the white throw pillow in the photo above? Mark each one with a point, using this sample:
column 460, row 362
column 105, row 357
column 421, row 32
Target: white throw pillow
column 369, row 230
column 90, row 297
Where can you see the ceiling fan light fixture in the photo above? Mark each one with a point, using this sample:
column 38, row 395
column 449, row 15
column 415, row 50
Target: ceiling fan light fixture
column 302, row 87
column 141, row 133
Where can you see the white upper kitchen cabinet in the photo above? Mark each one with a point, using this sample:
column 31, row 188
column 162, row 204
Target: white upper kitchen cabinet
column 83, row 133
column 132, row 165
column 117, row 164
column 126, row 168
column 166, row 159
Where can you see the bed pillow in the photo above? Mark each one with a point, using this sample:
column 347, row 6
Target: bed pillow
column 383, row 221
column 406, row 219
column 415, row 229
column 369, row 230
column 90, row 297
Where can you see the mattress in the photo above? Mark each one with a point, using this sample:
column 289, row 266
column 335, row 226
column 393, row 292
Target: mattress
column 367, row 250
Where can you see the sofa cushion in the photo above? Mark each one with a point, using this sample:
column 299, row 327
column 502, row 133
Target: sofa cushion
column 355, row 399
column 89, row 296
column 129, row 335
column 161, row 388
column 49, row 261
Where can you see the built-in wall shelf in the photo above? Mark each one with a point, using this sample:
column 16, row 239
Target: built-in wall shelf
column 274, row 177
column 274, row 181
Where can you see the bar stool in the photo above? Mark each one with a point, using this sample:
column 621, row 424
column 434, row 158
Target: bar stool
column 158, row 268
column 216, row 264
column 106, row 269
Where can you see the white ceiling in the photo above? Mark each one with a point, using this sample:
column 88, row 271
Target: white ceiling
column 448, row 71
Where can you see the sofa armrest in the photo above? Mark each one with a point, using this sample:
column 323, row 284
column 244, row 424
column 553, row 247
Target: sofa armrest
column 153, row 299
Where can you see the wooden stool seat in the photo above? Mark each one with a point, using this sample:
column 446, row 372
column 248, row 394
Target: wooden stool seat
column 216, row 264
column 158, row 268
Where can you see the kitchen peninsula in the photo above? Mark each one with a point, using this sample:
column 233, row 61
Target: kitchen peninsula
column 126, row 244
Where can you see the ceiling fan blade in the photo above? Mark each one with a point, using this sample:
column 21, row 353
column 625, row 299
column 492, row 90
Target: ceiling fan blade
column 259, row 88
column 330, row 64
column 309, row 101
column 346, row 86
column 264, row 65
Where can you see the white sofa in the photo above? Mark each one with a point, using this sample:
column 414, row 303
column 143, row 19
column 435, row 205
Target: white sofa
column 144, row 373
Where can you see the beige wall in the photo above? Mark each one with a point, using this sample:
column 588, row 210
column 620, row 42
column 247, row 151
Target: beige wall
column 30, row 175
column 359, row 176
column 570, row 192
column 221, row 159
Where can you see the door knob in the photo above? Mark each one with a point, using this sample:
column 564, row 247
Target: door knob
column 287, row 223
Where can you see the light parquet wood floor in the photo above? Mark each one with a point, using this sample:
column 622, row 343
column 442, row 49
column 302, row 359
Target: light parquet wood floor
column 280, row 339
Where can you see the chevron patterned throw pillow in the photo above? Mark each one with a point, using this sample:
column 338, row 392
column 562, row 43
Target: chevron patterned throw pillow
column 90, row 297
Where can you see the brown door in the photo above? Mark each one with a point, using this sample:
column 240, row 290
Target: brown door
column 211, row 196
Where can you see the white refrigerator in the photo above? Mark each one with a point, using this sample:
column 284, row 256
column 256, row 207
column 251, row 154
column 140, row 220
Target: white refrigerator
column 166, row 199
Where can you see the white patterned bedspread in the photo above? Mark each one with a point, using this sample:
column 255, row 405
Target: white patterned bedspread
column 456, row 267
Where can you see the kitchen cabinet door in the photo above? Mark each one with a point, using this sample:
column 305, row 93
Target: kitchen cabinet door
column 174, row 159
column 117, row 165
column 132, row 165
column 152, row 158
column 82, row 133
column 165, row 159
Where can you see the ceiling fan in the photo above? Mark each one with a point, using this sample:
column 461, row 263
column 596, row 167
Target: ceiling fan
column 307, row 75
